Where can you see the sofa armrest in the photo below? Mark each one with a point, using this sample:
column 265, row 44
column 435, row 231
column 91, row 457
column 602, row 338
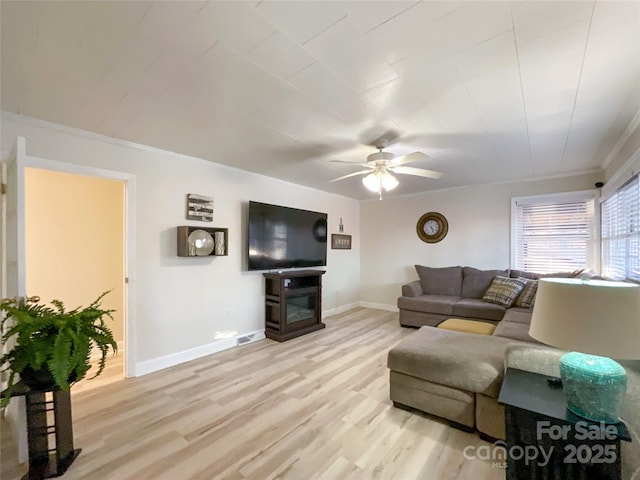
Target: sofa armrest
column 413, row 289
column 534, row 358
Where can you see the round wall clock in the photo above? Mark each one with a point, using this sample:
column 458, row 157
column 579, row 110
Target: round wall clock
column 432, row 227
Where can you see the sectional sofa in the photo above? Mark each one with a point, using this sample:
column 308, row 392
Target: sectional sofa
column 442, row 293
column 458, row 375
column 454, row 374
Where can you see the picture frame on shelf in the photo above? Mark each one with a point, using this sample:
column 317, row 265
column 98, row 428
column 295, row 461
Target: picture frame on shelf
column 340, row 241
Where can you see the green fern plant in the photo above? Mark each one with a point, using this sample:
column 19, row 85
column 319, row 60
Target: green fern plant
column 53, row 339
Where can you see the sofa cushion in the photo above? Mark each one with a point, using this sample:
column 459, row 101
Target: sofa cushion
column 413, row 289
column 441, row 304
column 537, row 276
column 475, row 308
column 572, row 274
column 514, row 331
column 527, row 296
column 504, row 291
column 440, row 400
column 474, row 363
column 518, row 315
column 475, row 282
column 440, row 281
column 523, row 274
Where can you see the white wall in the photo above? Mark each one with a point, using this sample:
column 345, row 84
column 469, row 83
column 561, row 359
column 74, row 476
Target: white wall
column 182, row 302
column 623, row 162
column 479, row 231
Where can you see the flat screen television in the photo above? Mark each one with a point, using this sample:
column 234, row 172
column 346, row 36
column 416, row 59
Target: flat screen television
column 283, row 237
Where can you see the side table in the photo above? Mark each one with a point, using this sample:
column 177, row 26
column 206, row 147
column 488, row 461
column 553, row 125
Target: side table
column 546, row 440
column 47, row 460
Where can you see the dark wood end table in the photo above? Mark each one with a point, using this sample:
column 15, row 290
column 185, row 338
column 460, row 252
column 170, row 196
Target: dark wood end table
column 546, row 440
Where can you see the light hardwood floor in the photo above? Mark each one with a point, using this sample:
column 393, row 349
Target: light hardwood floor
column 316, row 407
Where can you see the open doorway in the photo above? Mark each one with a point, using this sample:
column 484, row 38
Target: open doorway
column 75, row 248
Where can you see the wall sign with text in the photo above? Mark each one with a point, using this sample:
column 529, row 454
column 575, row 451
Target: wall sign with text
column 340, row 242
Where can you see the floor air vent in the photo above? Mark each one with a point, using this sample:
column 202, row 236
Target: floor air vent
column 245, row 339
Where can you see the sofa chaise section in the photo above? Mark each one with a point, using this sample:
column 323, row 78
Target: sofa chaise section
column 450, row 374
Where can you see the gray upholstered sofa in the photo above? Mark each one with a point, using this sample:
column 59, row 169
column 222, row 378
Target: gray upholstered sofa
column 442, row 293
column 458, row 376
column 454, row 375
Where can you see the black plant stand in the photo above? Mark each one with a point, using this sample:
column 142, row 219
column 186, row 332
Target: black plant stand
column 46, row 462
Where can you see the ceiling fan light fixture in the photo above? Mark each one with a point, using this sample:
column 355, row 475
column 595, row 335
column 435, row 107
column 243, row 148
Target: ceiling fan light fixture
column 377, row 181
column 389, row 182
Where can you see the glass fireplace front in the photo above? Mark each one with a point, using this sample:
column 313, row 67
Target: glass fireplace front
column 301, row 308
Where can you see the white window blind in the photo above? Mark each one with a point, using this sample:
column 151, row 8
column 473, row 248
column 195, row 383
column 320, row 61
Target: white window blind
column 621, row 233
column 553, row 234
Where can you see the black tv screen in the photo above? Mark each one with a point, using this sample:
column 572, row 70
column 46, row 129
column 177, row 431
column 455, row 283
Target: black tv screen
column 283, row 237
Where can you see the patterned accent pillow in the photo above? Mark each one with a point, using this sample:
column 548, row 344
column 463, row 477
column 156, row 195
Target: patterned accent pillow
column 504, row 291
column 527, row 297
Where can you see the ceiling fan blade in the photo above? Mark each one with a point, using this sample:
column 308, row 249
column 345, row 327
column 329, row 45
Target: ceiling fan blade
column 349, row 163
column 410, row 157
column 361, row 172
column 420, row 172
column 374, row 137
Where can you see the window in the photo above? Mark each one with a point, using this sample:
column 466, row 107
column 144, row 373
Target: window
column 621, row 233
column 553, row 233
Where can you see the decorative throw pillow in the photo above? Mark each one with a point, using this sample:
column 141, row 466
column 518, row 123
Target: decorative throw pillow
column 504, row 291
column 527, row 297
column 440, row 281
column 475, row 281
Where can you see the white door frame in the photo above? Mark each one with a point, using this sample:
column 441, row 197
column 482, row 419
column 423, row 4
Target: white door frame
column 13, row 270
column 129, row 244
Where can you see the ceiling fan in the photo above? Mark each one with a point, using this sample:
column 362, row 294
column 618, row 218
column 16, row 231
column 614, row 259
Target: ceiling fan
column 381, row 164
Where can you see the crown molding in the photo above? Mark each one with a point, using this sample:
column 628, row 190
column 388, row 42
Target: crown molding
column 631, row 128
column 577, row 173
column 44, row 124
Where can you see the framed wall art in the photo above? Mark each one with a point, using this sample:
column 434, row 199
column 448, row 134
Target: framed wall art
column 340, row 241
column 199, row 207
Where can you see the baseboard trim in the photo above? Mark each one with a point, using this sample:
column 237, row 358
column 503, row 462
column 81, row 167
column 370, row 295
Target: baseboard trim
column 171, row 360
column 378, row 306
column 350, row 306
column 338, row 310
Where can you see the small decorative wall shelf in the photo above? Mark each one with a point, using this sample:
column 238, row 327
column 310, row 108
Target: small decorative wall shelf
column 202, row 241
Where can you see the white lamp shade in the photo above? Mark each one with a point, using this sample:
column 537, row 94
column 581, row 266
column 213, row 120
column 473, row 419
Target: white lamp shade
column 389, row 182
column 378, row 180
column 590, row 316
column 372, row 182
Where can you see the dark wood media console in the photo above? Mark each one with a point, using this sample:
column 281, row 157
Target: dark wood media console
column 293, row 304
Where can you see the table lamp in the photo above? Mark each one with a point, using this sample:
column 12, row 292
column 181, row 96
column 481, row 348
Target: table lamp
column 598, row 319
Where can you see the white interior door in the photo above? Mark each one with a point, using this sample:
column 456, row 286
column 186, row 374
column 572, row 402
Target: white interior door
column 13, row 268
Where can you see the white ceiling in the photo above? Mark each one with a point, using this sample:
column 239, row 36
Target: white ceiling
column 491, row 91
